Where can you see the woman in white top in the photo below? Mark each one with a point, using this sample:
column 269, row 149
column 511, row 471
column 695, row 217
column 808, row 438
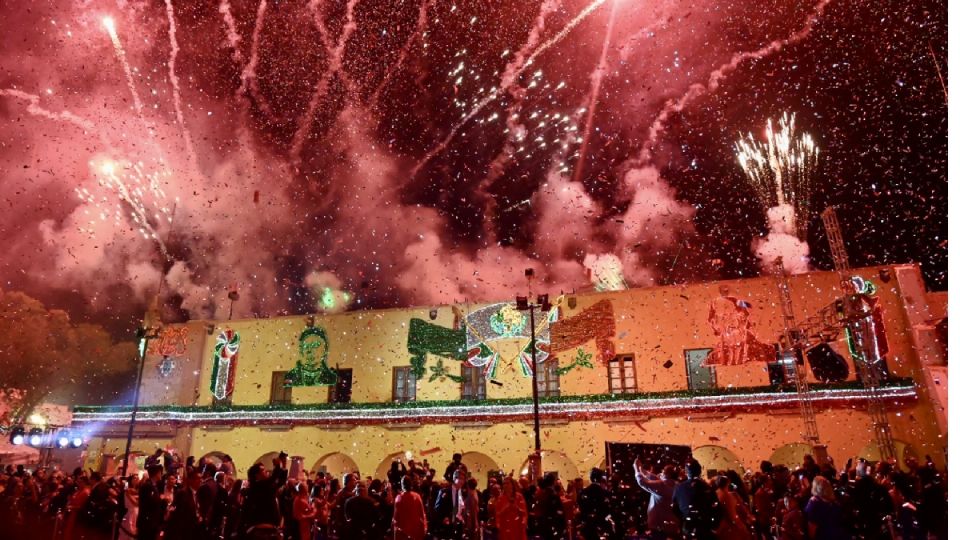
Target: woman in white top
column 128, row 527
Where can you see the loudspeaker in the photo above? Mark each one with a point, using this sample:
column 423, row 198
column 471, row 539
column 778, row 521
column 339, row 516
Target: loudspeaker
column 827, row 365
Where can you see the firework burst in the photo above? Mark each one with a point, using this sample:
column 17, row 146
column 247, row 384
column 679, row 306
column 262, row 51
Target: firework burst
column 780, row 168
column 130, row 192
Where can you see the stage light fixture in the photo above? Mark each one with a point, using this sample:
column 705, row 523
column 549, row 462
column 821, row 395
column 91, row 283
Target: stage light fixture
column 17, row 435
column 36, row 437
column 63, row 439
column 76, row 441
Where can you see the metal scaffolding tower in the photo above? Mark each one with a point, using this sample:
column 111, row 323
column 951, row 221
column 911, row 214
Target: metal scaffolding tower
column 830, row 320
column 837, row 249
column 793, row 339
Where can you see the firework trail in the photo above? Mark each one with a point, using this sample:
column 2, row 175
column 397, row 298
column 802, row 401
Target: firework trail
column 780, row 168
column 511, row 73
column 314, row 8
column 506, row 82
column 596, row 79
column 721, row 73
column 627, row 49
column 111, row 27
column 334, row 65
column 248, row 78
column 587, row 11
column 34, row 108
column 175, row 82
column 421, row 28
column 233, row 37
column 943, row 84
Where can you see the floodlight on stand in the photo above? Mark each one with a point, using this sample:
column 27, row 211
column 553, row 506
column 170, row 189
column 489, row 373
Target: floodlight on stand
column 76, row 441
column 544, row 301
column 17, row 436
column 522, row 303
column 36, row 437
column 63, row 439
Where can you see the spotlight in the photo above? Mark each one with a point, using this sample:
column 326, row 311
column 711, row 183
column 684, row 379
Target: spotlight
column 522, row 303
column 17, row 435
column 77, row 441
column 63, row 440
column 36, row 437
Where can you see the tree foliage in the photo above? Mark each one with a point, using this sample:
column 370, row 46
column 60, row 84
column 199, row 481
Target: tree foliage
column 46, row 356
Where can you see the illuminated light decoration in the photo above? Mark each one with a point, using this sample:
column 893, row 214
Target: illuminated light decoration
column 736, row 343
column 526, row 355
column 426, row 338
column 312, row 368
column 866, row 335
column 483, row 356
column 593, row 323
column 440, row 371
column 224, row 363
column 172, row 341
column 502, row 321
column 583, row 409
column 582, row 360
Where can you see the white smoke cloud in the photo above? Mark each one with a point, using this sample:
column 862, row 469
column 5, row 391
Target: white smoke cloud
column 606, row 272
column 782, row 242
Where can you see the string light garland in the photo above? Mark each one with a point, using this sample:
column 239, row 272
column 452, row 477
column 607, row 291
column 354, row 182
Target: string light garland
column 566, row 407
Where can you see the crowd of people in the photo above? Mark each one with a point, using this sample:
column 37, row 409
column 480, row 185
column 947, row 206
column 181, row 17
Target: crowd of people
column 205, row 500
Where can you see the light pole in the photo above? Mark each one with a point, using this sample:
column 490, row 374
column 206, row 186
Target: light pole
column 144, row 336
column 523, row 304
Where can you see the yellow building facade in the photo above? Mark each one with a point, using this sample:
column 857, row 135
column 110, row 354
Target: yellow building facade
column 687, row 365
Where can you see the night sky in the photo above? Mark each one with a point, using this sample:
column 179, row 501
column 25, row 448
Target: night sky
column 320, row 132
